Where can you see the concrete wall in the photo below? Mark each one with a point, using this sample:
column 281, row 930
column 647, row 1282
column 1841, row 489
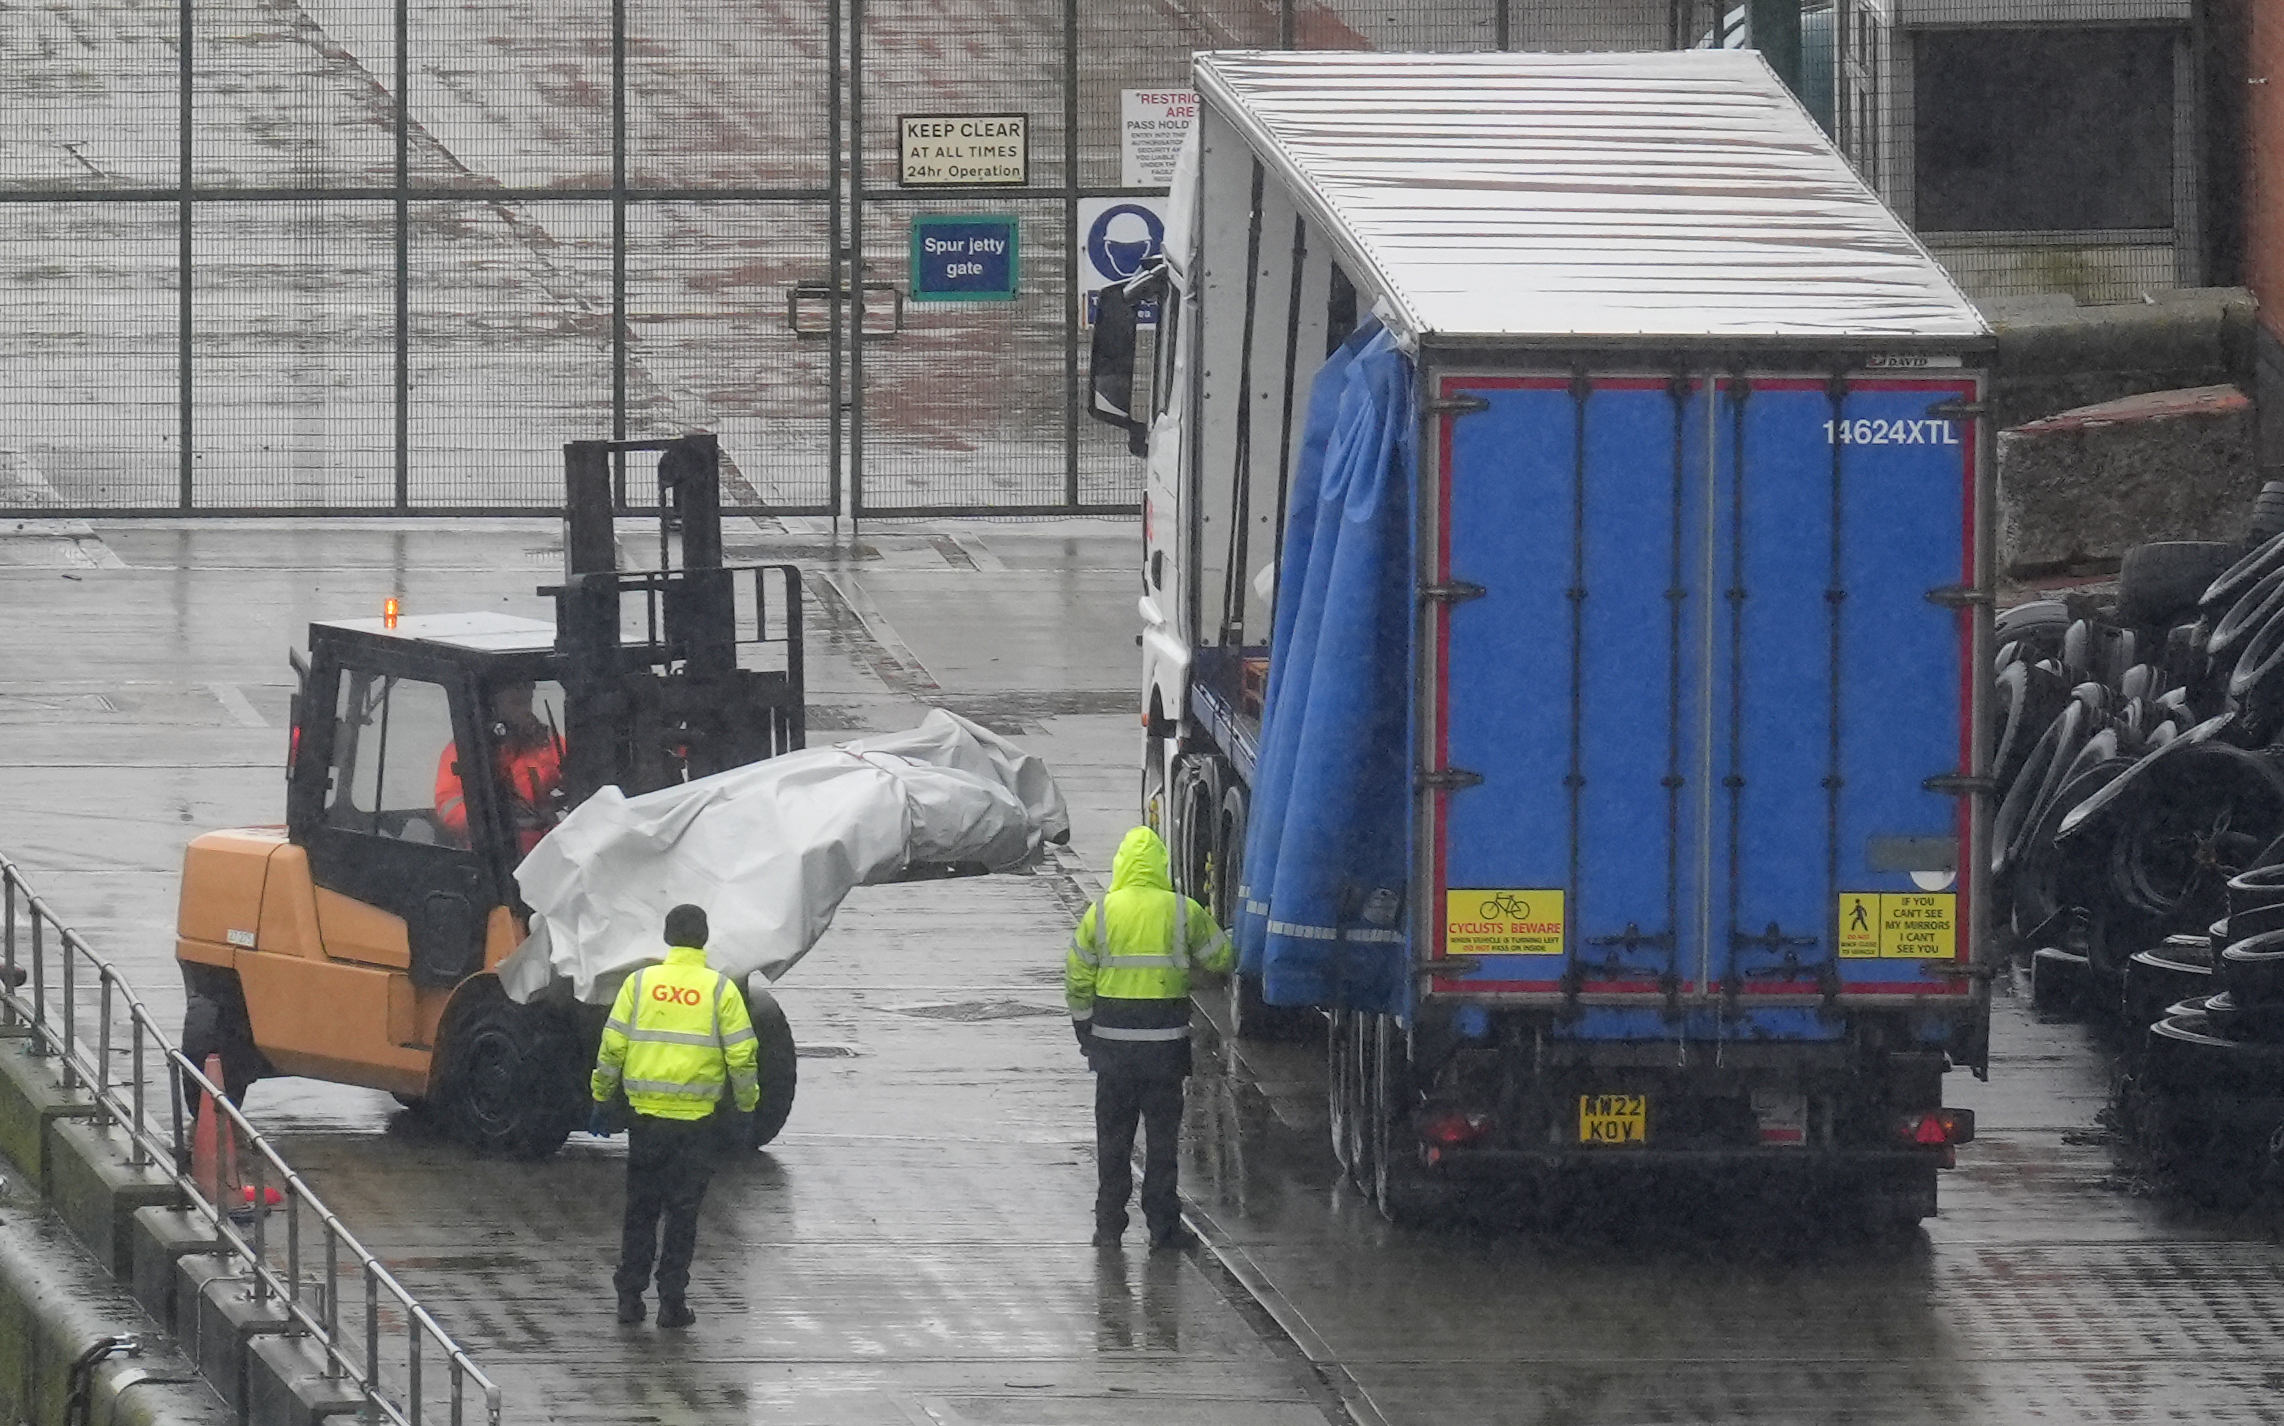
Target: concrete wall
column 2078, row 489
column 2056, row 356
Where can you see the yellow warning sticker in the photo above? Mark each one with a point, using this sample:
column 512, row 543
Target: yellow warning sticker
column 1859, row 924
column 1899, row 925
column 1502, row 923
column 1919, row 924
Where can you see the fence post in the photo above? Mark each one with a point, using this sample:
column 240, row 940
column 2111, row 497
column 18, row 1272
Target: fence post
column 70, row 1013
column 8, row 943
column 39, row 981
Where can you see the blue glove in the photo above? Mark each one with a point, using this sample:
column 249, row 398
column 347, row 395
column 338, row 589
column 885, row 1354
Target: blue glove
column 599, row 1121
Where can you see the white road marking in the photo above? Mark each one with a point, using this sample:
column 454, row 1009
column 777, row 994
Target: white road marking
column 237, row 706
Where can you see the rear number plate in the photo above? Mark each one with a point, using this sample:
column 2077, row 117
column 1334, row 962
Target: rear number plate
column 1613, row 1118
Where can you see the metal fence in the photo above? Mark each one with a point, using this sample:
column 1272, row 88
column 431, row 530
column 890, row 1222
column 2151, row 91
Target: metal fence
column 376, row 1339
column 384, row 256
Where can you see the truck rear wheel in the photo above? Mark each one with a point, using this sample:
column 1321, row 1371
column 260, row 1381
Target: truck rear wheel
column 1356, row 1089
column 1403, row 1189
column 509, row 1086
column 1895, row 1201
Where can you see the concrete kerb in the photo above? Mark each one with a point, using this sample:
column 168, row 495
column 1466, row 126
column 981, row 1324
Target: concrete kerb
column 220, row 1320
column 161, row 1238
column 94, row 1187
column 31, row 1100
column 286, row 1384
column 56, row 1308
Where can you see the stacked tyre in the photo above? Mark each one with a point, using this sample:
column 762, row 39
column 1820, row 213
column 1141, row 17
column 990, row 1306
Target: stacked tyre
column 2135, row 765
column 2138, row 758
column 2211, row 1070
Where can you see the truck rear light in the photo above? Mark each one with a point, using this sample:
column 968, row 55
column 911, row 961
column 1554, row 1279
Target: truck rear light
column 1937, row 1126
column 1454, row 1128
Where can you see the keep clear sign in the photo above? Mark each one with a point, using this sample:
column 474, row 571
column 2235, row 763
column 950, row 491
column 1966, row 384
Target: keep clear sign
column 1118, row 239
column 964, row 150
column 1151, row 126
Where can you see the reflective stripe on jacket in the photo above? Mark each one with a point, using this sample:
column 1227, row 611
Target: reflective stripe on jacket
column 677, row 1032
column 1127, row 974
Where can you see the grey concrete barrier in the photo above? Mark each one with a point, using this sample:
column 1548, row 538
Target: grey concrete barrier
column 2054, row 357
column 56, row 1309
column 32, row 1099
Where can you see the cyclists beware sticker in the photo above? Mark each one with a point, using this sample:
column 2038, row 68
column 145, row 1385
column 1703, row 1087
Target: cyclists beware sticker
column 1502, row 923
column 1899, row 925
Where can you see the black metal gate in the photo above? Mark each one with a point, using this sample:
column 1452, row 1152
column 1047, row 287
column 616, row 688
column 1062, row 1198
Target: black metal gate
column 385, row 256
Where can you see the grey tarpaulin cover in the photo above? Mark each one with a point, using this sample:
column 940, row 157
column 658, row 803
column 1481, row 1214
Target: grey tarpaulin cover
column 770, row 849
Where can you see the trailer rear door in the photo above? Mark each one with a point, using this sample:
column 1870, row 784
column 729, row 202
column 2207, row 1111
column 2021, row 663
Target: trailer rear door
column 1679, row 748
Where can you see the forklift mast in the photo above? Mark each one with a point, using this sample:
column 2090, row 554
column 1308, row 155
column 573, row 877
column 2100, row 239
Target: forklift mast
column 654, row 693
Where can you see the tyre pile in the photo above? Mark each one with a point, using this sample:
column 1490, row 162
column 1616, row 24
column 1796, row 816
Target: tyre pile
column 2138, row 845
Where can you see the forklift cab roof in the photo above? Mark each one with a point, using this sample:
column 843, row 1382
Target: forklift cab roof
column 467, row 633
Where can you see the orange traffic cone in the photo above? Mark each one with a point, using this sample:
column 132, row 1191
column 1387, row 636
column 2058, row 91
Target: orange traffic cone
column 214, row 1155
column 214, row 1146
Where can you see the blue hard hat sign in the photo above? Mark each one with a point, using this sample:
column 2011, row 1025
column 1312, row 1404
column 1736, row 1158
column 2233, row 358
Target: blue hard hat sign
column 1123, row 240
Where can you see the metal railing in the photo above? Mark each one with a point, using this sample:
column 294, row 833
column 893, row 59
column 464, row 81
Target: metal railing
column 75, row 1008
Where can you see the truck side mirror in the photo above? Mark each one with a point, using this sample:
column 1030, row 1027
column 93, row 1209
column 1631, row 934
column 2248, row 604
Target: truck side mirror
column 1110, row 360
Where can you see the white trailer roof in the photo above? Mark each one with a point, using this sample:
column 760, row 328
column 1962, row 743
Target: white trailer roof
column 1532, row 196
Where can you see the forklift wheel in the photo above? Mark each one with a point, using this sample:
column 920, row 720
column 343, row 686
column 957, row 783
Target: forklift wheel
column 507, row 1089
column 780, row 1070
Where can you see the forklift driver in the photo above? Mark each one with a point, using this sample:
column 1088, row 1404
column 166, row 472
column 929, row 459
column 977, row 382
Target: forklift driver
column 530, row 765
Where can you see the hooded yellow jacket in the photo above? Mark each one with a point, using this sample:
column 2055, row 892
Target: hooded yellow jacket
column 1127, row 975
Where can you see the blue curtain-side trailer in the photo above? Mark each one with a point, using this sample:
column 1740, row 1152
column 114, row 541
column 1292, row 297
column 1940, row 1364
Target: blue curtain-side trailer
column 1566, row 570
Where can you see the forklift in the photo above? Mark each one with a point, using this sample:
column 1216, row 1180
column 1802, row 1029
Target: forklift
column 359, row 943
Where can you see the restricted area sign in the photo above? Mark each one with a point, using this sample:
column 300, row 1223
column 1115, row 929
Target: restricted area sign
column 1151, row 126
column 1502, row 923
column 1118, row 239
column 966, row 258
column 964, row 150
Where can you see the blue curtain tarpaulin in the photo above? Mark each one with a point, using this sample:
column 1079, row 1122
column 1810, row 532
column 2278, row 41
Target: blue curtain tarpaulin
column 1327, row 851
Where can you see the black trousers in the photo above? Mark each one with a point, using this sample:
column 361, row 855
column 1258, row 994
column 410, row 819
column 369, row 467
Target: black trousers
column 1120, row 1102
column 669, row 1164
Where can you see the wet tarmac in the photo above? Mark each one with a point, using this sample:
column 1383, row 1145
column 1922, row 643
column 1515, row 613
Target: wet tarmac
column 913, row 1249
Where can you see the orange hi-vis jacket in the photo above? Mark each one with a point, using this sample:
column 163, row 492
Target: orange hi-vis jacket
column 531, row 774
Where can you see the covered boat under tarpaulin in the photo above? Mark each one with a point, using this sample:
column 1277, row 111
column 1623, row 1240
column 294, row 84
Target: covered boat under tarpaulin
column 1328, row 838
column 770, row 849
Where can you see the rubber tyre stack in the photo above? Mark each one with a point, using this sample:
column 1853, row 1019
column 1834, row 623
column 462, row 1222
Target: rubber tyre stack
column 2177, row 972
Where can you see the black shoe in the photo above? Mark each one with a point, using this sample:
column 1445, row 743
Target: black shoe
column 1108, row 1237
column 630, row 1308
column 1172, row 1238
column 673, row 1312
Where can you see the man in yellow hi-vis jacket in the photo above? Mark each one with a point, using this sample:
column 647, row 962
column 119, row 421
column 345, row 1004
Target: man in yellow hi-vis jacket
column 678, row 1033
column 1127, row 979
